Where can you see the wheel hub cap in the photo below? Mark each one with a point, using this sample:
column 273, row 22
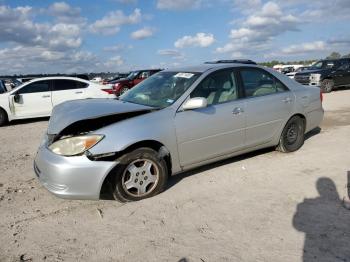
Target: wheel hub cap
column 292, row 134
column 140, row 177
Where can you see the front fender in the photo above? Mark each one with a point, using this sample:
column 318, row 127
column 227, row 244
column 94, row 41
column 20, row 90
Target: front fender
column 157, row 126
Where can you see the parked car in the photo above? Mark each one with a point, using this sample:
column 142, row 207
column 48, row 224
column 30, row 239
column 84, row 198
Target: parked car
column 135, row 77
column 37, row 97
column 300, row 69
column 3, row 88
column 174, row 121
column 327, row 74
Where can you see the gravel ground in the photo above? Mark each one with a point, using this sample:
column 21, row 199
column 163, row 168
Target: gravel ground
column 264, row 206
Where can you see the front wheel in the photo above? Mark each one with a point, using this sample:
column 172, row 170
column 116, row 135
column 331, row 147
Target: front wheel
column 292, row 137
column 141, row 174
column 3, row 117
column 327, row 85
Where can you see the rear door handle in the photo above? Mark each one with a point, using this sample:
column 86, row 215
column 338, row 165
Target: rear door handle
column 79, row 92
column 237, row 111
column 46, row 96
column 287, row 100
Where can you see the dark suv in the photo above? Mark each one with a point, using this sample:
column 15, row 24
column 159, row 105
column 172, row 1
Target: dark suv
column 122, row 85
column 326, row 74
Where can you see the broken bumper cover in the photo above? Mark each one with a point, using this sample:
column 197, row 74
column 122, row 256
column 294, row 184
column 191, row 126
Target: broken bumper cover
column 71, row 177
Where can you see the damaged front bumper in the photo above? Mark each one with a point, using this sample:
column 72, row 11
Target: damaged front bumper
column 74, row 177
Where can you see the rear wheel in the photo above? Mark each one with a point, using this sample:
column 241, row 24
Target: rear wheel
column 123, row 90
column 140, row 174
column 3, row 117
column 292, row 137
column 327, row 85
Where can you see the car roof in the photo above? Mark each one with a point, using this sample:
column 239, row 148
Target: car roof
column 57, row 78
column 205, row 67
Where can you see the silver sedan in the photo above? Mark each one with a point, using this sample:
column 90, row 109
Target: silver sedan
column 174, row 121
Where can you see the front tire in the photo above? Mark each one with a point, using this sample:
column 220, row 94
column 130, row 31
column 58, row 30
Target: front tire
column 292, row 137
column 141, row 174
column 327, row 85
column 3, row 117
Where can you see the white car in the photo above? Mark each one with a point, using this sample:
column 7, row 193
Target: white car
column 37, row 97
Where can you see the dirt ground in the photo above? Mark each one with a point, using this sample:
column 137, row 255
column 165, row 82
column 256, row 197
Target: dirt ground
column 264, row 206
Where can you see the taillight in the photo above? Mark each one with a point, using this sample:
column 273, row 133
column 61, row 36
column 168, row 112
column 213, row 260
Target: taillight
column 321, row 96
column 109, row 91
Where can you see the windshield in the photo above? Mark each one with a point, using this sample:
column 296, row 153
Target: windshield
column 132, row 75
column 323, row 65
column 161, row 89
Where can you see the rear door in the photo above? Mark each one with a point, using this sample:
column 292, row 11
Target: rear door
column 34, row 100
column 342, row 75
column 67, row 89
column 269, row 104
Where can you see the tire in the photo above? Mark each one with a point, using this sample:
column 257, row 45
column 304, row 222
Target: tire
column 141, row 174
column 3, row 117
column 292, row 137
column 327, row 85
column 123, row 90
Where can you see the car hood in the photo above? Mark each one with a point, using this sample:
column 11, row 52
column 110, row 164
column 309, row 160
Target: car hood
column 311, row 71
column 91, row 114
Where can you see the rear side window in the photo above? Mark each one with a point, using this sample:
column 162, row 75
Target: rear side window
column 36, row 87
column 63, row 84
column 257, row 82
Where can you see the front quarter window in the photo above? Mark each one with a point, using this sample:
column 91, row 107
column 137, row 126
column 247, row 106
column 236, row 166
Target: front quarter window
column 161, row 89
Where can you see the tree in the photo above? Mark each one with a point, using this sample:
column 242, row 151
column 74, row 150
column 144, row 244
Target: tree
column 334, row 55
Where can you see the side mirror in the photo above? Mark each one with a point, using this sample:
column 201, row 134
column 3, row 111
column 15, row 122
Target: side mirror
column 17, row 98
column 195, row 103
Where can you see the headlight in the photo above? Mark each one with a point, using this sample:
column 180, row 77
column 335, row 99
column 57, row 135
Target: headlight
column 315, row 77
column 75, row 145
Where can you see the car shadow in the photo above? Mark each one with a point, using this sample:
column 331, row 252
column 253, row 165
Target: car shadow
column 27, row 121
column 325, row 223
column 173, row 180
column 341, row 88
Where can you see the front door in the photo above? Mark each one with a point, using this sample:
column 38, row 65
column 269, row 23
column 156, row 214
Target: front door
column 216, row 130
column 32, row 100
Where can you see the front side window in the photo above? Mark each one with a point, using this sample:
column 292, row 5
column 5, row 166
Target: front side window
column 161, row 89
column 258, row 83
column 219, row 87
column 36, row 87
column 63, row 84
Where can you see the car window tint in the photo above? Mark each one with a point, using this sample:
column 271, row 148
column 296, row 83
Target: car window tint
column 218, row 87
column 36, row 87
column 258, row 83
column 63, row 84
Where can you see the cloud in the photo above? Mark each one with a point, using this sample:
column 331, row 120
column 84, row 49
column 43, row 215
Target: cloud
column 199, row 40
column 178, row 4
column 304, row 48
column 17, row 26
column 111, row 23
column 259, row 29
column 114, row 62
column 126, row 1
column 142, row 33
column 173, row 53
column 64, row 13
column 117, row 48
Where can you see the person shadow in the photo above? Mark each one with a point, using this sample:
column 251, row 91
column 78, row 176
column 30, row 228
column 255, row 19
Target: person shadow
column 326, row 225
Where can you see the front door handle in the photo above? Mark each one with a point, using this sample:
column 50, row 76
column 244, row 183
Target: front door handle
column 79, row 92
column 46, row 96
column 237, row 111
column 287, row 100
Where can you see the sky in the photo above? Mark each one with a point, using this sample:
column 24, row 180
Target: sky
column 82, row 36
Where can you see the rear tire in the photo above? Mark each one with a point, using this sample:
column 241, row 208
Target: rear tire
column 3, row 117
column 141, row 174
column 123, row 90
column 327, row 85
column 292, row 137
